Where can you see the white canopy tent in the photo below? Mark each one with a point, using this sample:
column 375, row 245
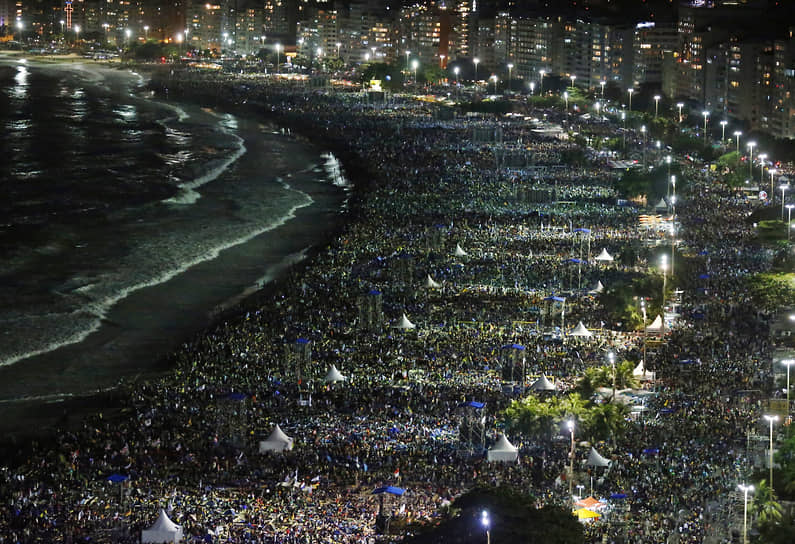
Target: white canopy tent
column 656, row 325
column 277, row 441
column 604, row 256
column 542, row 384
column 503, row 451
column 431, row 284
column 333, row 375
column 641, row 374
column 661, row 205
column 596, row 460
column 163, row 530
column 581, row 331
column 404, row 323
column 598, row 288
column 459, row 252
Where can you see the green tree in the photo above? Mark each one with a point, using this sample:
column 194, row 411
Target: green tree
column 606, row 421
column 766, row 508
column 433, row 74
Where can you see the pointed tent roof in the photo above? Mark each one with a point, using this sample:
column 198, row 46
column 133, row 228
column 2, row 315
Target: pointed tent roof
column 431, row 284
column 404, row 323
column 639, row 373
column 503, row 450
column 656, row 325
column 542, row 384
column 596, row 460
column 598, row 288
column 604, row 256
column 661, row 204
column 584, row 513
column 277, row 441
column 589, row 502
column 459, row 252
column 334, row 375
column 163, row 530
column 581, row 331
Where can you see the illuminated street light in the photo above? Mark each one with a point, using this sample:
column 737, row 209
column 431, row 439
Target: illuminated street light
column 751, row 146
column 680, row 105
column 476, row 61
column 630, row 91
column 656, row 104
column 771, row 420
column 723, row 131
column 706, row 116
column 745, row 489
column 602, row 84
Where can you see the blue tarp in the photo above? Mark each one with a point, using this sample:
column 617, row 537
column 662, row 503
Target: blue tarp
column 389, row 489
column 617, row 496
column 473, row 404
column 302, row 341
column 374, row 292
column 116, row 478
column 512, row 346
column 578, row 261
column 704, row 277
column 236, row 396
column 651, row 451
column 687, row 362
column 556, row 299
column 580, row 229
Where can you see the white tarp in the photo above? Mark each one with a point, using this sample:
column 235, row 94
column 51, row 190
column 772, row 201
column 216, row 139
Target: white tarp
column 163, row 530
column 604, row 256
column 277, row 441
column 542, row 384
column 656, row 325
column 640, row 374
column 459, row 252
column 503, row 451
column 431, row 284
column 404, row 323
column 596, row 460
column 581, row 331
column 333, row 375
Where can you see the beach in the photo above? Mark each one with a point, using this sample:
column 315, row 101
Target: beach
column 455, row 284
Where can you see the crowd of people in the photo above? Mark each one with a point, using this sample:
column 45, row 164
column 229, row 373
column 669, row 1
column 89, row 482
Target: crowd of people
column 524, row 275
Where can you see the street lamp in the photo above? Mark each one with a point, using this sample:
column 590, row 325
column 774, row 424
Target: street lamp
column 597, row 106
column 62, row 23
column 580, row 489
column 20, row 26
column 611, row 357
column 706, row 116
column 643, row 132
column 278, row 47
column 751, row 161
column 338, row 49
column 494, row 79
column 602, row 84
column 572, row 77
column 486, row 522
column 510, row 67
column 441, row 61
column 783, row 188
column 771, row 419
column 772, row 173
column 789, row 228
column 745, row 489
column 762, row 159
column 723, row 131
column 788, row 363
column 630, row 91
column 664, row 268
column 532, row 88
column 570, row 425
column 566, row 98
column 476, row 61
column 680, row 105
column 146, row 33
column 407, row 60
column 415, row 64
column 455, row 71
column 656, row 104
column 105, row 26
column 541, row 86
column 737, row 135
column 77, row 33
column 128, row 33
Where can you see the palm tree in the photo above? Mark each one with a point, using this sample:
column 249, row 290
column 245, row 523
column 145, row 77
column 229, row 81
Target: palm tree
column 606, row 422
column 766, row 507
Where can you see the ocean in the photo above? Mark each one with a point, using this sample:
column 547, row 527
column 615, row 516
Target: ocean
column 127, row 223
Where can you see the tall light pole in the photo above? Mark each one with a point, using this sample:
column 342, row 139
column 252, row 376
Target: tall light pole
column 62, row 23
column 737, row 134
column 789, row 229
column 745, row 489
column 630, row 91
column 572, row 77
column 510, row 68
column 570, row 425
column 128, row 34
column 77, row 33
column 705, row 113
column 541, row 86
column 611, row 358
column 783, row 188
column 602, row 84
column 338, row 44
column 771, row 419
column 476, row 61
column 278, row 47
column 532, row 88
column 643, row 132
column 407, row 60
column 494, row 79
column 751, row 161
column 762, row 158
column 486, row 522
column 441, row 61
column 146, row 33
column 656, row 104
column 415, row 64
column 772, row 173
column 664, row 268
column 723, row 131
column 643, row 311
column 455, row 71
column 679, row 106
column 566, row 98
column 788, row 363
column 20, row 26
column 673, row 223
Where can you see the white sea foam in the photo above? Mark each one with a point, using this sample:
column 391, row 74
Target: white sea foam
column 334, row 171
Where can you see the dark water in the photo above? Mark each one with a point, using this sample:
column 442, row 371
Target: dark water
column 124, row 222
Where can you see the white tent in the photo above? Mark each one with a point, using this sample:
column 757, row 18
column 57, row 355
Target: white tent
column 641, row 374
column 596, row 460
column 163, row 530
column 404, row 323
column 581, row 331
column 656, row 325
column 604, row 256
column 459, row 252
column 333, row 375
column 661, row 205
column 503, row 451
column 598, row 288
column 542, row 384
column 277, row 441
column 431, row 284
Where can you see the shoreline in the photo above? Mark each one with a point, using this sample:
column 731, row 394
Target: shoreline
column 69, row 412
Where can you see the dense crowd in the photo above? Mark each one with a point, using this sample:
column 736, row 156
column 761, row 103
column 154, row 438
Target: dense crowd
column 188, row 442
